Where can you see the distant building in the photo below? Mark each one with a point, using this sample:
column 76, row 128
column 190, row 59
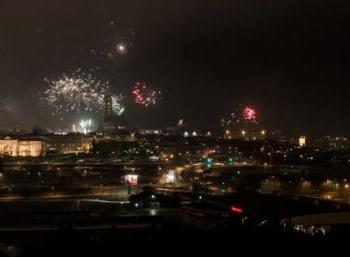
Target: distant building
column 114, row 146
column 107, row 124
column 194, row 148
column 277, row 135
column 111, row 123
column 22, row 147
column 302, row 141
column 68, row 144
column 150, row 132
column 332, row 143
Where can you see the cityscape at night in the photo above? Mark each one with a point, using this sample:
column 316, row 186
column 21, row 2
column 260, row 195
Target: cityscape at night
column 172, row 121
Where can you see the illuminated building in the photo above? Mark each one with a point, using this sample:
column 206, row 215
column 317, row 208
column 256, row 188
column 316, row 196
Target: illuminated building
column 302, row 141
column 150, row 131
column 22, row 147
column 66, row 144
column 331, row 143
column 108, row 125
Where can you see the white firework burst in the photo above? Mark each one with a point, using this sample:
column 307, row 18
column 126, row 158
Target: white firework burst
column 77, row 93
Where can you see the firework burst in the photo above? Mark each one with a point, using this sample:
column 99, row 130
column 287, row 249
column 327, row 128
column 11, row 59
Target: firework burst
column 145, row 95
column 249, row 114
column 239, row 115
column 117, row 104
column 77, row 93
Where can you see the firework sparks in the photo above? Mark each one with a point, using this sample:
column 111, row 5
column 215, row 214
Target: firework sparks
column 119, row 43
column 145, row 95
column 85, row 125
column 249, row 114
column 239, row 115
column 180, row 123
column 77, row 93
column 117, row 104
column 232, row 120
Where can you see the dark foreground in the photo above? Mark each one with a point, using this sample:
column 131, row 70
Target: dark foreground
column 98, row 227
column 170, row 236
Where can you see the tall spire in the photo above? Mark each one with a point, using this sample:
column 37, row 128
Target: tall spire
column 108, row 115
column 111, row 122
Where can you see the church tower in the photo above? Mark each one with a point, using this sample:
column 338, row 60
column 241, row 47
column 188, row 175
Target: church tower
column 112, row 124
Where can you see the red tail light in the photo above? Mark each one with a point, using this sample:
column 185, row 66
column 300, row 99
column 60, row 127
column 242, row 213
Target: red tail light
column 236, row 209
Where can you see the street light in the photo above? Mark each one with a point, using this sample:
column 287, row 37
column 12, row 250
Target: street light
column 121, row 48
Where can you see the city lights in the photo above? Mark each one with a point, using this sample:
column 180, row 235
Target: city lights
column 302, row 141
column 169, row 121
column 170, row 177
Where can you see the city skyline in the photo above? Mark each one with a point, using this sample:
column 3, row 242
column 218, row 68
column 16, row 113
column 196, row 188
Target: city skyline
column 197, row 122
column 289, row 60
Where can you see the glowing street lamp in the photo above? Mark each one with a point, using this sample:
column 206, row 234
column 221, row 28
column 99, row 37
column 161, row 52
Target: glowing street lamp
column 209, row 162
column 121, row 48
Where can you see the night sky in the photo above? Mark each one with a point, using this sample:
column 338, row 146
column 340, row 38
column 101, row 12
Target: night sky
column 288, row 59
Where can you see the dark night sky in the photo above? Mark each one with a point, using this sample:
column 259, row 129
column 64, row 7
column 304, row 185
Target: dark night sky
column 289, row 59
